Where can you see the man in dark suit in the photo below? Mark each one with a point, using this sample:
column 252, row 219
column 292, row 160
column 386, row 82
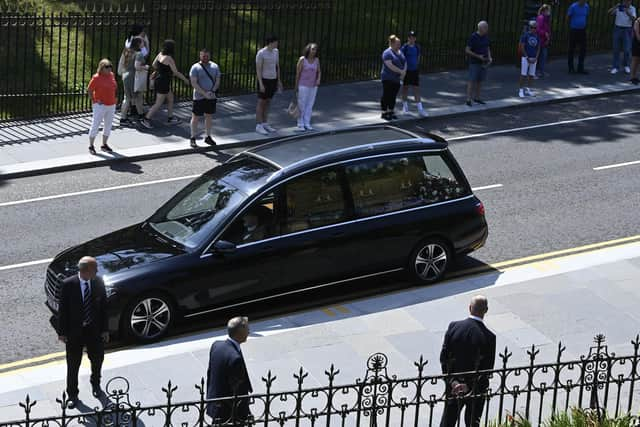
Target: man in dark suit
column 468, row 346
column 227, row 376
column 82, row 323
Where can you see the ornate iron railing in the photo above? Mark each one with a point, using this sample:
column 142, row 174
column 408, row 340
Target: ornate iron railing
column 601, row 381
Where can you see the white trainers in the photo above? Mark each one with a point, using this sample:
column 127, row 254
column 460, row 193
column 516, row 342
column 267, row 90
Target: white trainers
column 261, row 130
column 268, row 127
column 614, row 71
column 308, row 127
column 627, row 70
column 422, row 112
column 300, row 128
column 521, row 93
column 405, row 108
column 529, row 92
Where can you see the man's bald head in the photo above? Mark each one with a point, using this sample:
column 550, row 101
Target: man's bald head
column 88, row 267
column 479, row 306
column 483, row 27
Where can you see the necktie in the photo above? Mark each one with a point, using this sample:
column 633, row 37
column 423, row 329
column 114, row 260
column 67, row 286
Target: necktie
column 86, row 304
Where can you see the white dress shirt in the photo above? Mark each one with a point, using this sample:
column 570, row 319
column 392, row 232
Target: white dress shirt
column 83, row 286
column 479, row 319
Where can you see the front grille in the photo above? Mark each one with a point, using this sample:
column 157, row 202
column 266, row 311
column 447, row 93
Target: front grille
column 53, row 286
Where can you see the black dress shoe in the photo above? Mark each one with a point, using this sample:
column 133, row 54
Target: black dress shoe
column 210, row 141
column 72, row 402
column 479, row 101
column 468, row 103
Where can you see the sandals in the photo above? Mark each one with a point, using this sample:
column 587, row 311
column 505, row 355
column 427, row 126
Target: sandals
column 105, row 147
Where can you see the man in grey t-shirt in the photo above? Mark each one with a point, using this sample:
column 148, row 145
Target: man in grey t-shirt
column 268, row 76
column 205, row 79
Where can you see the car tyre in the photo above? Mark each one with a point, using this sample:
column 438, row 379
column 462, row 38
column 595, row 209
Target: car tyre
column 148, row 318
column 429, row 261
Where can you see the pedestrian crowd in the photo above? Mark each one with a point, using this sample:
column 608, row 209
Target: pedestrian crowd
column 468, row 346
column 400, row 73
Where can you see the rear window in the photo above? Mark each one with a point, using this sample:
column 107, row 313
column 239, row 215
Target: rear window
column 386, row 185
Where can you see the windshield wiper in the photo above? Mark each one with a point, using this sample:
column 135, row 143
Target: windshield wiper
column 161, row 237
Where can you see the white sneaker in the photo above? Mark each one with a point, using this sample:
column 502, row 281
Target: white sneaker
column 423, row 112
column 405, row 108
column 308, row 127
column 300, row 128
column 614, row 71
column 627, row 70
column 521, row 93
column 261, row 130
column 268, row 127
column 529, row 92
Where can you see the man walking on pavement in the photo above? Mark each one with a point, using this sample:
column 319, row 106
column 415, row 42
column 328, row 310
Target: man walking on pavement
column 625, row 15
column 227, row 376
column 82, row 323
column 412, row 52
column 268, row 75
column 205, row 79
column 578, row 13
column 468, row 346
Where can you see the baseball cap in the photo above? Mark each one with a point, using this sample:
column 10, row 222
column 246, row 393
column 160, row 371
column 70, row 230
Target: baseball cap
column 412, row 34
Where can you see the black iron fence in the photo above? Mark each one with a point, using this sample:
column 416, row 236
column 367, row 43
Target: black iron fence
column 47, row 57
column 601, row 381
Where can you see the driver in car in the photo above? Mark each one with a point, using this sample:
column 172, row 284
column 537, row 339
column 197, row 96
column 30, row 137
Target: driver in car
column 253, row 230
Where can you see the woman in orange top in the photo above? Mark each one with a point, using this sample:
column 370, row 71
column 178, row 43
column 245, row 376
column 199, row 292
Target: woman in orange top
column 102, row 90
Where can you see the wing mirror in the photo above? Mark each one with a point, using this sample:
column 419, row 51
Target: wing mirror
column 224, row 247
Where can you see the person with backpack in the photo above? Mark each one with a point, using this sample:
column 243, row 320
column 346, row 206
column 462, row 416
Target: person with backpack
column 205, row 79
column 530, row 48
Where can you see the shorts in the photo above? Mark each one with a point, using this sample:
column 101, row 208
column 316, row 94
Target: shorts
column 527, row 68
column 204, row 106
column 412, row 78
column 270, row 88
column 477, row 73
column 635, row 47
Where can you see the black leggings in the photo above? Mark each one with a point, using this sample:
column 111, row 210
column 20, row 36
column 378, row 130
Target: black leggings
column 390, row 91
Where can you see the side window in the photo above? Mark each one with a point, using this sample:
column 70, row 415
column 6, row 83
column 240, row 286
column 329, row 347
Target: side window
column 439, row 182
column 386, row 185
column 314, row 200
column 258, row 222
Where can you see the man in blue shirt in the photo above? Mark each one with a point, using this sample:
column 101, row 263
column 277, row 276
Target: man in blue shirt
column 412, row 53
column 479, row 53
column 578, row 13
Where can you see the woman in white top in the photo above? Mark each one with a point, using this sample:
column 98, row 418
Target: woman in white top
column 307, row 81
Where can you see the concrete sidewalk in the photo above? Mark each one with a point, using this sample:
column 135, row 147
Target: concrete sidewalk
column 28, row 148
column 567, row 299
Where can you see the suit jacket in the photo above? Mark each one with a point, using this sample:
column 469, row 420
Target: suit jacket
column 227, row 376
column 468, row 346
column 71, row 314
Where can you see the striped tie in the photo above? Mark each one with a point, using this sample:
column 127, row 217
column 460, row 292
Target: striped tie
column 86, row 305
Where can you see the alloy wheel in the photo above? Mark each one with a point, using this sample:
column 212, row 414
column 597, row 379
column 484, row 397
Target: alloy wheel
column 431, row 262
column 150, row 318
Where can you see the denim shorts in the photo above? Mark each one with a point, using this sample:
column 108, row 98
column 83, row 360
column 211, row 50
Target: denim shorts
column 477, row 73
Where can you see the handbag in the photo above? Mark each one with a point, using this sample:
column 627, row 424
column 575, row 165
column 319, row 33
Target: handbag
column 140, row 81
column 293, row 109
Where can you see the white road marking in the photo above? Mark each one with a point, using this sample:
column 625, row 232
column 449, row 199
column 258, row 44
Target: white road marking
column 97, row 190
column 544, row 125
column 486, row 187
column 25, row 264
column 617, row 165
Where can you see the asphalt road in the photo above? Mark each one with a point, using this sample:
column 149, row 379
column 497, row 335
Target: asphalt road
column 550, row 199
